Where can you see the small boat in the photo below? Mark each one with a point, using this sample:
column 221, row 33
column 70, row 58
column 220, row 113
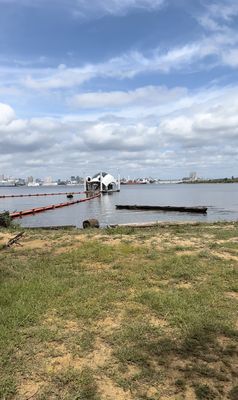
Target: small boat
column 70, row 196
column 199, row 210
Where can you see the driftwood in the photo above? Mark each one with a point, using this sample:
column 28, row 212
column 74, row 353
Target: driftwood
column 199, row 210
column 14, row 240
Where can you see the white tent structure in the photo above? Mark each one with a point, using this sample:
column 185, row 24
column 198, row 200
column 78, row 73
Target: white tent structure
column 102, row 182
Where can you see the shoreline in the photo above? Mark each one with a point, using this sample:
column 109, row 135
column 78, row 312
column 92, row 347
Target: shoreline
column 148, row 224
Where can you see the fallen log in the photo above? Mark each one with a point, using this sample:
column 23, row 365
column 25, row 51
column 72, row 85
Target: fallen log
column 198, row 210
column 14, row 240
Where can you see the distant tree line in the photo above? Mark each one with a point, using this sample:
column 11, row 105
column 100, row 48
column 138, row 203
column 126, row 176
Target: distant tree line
column 217, row 180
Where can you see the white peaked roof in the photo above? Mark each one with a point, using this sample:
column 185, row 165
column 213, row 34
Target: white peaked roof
column 106, row 178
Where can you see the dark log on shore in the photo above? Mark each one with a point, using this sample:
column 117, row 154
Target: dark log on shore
column 199, row 210
column 14, row 240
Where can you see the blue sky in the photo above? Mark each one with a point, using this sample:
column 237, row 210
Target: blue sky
column 146, row 87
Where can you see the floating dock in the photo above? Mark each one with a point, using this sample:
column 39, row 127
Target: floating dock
column 197, row 210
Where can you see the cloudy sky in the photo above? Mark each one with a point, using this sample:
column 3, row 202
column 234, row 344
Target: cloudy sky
column 146, row 87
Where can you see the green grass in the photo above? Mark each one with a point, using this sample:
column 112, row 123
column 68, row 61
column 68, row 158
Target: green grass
column 120, row 316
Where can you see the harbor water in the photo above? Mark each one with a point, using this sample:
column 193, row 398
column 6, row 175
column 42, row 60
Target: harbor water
column 221, row 200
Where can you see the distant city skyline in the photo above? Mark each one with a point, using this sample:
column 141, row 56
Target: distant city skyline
column 143, row 87
column 192, row 176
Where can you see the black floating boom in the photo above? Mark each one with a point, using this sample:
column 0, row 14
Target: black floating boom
column 199, row 210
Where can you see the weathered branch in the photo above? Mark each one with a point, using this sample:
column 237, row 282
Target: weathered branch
column 14, row 240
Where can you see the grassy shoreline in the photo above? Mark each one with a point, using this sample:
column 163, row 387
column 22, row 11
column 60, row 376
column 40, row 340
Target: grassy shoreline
column 120, row 313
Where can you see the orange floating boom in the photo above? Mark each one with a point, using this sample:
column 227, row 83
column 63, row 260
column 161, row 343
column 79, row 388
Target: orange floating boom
column 38, row 194
column 20, row 214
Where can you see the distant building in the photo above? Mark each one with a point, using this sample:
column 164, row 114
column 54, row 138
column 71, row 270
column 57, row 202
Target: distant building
column 30, row 179
column 49, row 181
column 193, row 176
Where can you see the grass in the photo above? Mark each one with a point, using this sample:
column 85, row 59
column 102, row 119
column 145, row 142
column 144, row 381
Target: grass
column 120, row 314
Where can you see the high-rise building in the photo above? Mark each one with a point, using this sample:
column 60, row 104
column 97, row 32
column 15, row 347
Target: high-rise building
column 30, row 179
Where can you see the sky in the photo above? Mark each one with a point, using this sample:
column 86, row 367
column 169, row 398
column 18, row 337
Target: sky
column 143, row 87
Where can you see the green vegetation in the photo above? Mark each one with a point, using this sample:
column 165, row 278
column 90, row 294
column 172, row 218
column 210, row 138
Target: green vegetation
column 215, row 180
column 120, row 314
column 5, row 219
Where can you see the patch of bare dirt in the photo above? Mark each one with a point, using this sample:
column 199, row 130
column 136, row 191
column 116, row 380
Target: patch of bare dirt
column 190, row 394
column 177, row 241
column 225, row 256
column 5, row 237
column 165, row 282
column 51, row 320
column 132, row 371
column 184, row 285
column 55, row 323
column 187, row 252
column 64, row 249
column 96, row 266
column 58, row 358
column 28, row 389
column 232, row 295
column 231, row 240
column 152, row 392
column 71, row 326
column 110, row 323
column 158, row 322
column 110, row 391
column 224, row 341
column 35, row 244
column 99, row 357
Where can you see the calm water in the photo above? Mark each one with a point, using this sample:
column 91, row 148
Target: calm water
column 221, row 200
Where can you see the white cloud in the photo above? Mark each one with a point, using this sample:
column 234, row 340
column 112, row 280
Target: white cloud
column 92, row 8
column 62, row 77
column 7, row 114
column 200, row 129
column 223, row 10
column 114, row 7
column 192, row 55
column 147, row 95
column 230, row 57
column 218, row 16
